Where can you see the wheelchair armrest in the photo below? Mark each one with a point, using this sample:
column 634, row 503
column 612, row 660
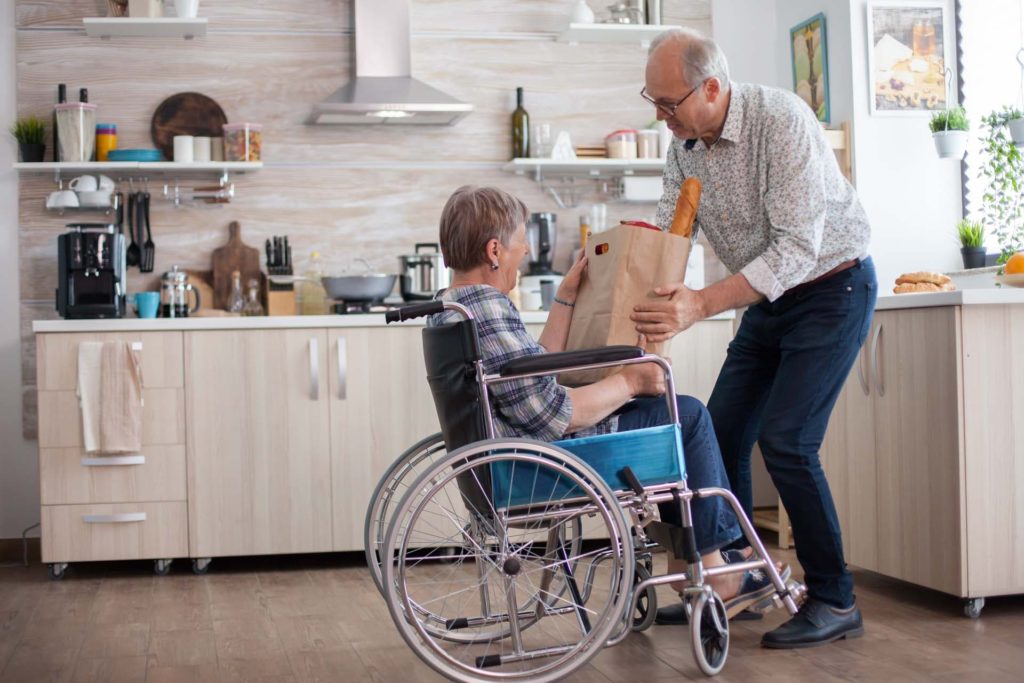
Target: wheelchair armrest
column 553, row 362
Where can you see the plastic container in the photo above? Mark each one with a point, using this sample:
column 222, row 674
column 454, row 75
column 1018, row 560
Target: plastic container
column 76, row 127
column 106, row 140
column 243, row 142
column 311, row 298
column 647, row 144
column 621, row 144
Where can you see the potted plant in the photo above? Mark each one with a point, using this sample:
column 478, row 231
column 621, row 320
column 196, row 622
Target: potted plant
column 972, row 243
column 949, row 131
column 29, row 132
column 1002, row 204
column 1015, row 122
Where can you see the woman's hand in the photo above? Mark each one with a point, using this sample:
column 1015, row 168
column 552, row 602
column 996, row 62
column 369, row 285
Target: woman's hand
column 571, row 282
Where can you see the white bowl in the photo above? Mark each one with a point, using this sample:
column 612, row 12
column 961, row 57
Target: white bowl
column 1016, row 280
column 94, row 199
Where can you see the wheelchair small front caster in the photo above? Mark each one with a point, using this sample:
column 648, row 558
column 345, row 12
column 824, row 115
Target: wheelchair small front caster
column 973, row 607
column 200, row 565
column 646, row 606
column 55, row 570
column 709, row 632
column 162, row 567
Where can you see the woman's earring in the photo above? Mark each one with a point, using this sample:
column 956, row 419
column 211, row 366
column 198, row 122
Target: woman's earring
column 494, row 265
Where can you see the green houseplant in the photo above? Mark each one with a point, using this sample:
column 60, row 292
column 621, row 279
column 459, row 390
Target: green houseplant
column 949, row 131
column 972, row 242
column 30, row 133
column 1003, row 200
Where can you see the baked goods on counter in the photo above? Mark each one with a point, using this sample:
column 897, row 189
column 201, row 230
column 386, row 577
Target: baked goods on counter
column 923, row 281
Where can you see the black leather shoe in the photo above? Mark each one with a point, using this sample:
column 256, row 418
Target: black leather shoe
column 675, row 615
column 816, row 624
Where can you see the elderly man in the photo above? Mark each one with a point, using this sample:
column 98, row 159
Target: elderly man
column 789, row 227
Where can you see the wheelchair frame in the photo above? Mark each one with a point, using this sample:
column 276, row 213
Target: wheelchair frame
column 429, row 634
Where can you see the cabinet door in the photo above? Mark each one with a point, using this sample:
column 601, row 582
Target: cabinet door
column 380, row 406
column 918, row 414
column 259, row 467
column 697, row 357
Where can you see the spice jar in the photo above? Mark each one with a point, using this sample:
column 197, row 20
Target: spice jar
column 243, row 142
column 621, row 144
column 106, row 140
column 647, row 143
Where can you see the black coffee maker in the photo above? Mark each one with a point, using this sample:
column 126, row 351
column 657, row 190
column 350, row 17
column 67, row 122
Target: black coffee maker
column 91, row 271
column 541, row 234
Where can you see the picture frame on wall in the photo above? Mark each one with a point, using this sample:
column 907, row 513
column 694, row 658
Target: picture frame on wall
column 809, row 55
column 909, row 48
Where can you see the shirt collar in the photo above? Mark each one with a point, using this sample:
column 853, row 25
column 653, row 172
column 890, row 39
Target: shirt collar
column 733, row 127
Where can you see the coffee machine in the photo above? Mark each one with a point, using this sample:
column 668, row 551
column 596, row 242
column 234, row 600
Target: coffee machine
column 540, row 278
column 91, row 272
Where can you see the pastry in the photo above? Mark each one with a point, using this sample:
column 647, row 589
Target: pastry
column 920, row 287
column 923, row 276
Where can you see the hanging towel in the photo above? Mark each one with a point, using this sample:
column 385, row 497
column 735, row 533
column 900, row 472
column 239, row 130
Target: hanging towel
column 110, row 396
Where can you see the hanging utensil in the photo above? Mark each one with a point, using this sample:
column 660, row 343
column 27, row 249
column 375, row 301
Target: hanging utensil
column 134, row 253
column 148, row 248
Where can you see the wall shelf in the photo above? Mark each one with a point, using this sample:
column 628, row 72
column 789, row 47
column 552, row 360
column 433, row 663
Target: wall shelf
column 163, row 27
column 590, row 168
column 641, row 34
column 222, row 169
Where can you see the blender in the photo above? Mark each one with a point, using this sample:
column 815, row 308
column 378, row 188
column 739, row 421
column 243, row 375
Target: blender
column 540, row 278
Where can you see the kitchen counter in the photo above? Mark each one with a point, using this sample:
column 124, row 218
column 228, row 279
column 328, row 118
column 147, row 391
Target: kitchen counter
column 991, row 296
column 252, row 323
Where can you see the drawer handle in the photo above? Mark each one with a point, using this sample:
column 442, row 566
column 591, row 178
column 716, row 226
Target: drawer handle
column 876, row 367
column 342, row 369
column 314, row 369
column 114, row 461
column 119, row 518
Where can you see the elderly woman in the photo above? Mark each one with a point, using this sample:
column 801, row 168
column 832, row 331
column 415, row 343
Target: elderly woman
column 483, row 240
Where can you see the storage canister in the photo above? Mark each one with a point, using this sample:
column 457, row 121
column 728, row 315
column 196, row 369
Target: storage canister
column 647, row 143
column 76, row 128
column 106, row 140
column 621, row 144
column 243, row 142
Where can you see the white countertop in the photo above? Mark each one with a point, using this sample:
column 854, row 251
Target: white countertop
column 252, row 323
column 964, row 297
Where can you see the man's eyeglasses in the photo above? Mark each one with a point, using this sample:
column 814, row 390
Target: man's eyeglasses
column 669, row 109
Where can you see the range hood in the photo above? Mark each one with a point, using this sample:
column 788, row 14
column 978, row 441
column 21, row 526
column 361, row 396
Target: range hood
column 383, row 90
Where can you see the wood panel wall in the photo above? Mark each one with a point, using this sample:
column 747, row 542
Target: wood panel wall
column 370, row 192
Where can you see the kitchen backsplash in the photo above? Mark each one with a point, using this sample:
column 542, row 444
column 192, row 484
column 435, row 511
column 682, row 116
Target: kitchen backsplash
column 371, row 192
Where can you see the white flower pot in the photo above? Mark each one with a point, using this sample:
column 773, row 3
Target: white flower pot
column 950, row 144
column 1016, row 127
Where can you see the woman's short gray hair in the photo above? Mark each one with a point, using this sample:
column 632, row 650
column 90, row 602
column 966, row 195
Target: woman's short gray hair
column 471, row 218
column 701, row 58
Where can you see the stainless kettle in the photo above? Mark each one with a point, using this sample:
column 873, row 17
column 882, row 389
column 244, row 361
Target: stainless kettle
column 423, row 273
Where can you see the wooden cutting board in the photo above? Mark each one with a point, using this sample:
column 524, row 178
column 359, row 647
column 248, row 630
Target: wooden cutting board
column 186, row 113
column 234, row 255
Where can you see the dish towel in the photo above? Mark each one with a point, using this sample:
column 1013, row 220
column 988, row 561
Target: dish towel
column 110, row 395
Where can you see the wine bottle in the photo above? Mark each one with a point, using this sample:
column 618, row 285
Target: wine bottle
column 520, row 128
column 62, row 98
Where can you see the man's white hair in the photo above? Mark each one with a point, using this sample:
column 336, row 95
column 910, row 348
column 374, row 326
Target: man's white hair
column 700, row 57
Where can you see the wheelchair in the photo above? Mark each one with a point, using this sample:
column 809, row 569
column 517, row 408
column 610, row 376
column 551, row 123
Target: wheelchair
column 511, row 559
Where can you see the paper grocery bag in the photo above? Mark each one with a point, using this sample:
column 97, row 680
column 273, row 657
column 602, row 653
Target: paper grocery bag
column 625, row 264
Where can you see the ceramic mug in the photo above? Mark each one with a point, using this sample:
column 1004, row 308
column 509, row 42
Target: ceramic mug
column 84, row 183
column 183, row 149
column 61, row 199
column 146, row 304
column 105, row 184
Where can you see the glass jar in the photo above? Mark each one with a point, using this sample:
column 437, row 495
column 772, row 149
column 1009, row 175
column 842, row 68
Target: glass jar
column 647, row 144
column 243, row 142
column 236, row 302
column 621, row 144
column 252, row 301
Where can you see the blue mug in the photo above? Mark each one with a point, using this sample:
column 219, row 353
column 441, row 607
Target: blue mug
column 146, row 304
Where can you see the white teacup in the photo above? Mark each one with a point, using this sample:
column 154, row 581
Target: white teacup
column 84, row 183
column 62, row 199
column 105, row 184
column 95, row 198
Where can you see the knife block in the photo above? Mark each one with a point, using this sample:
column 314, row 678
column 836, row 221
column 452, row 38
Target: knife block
column 277, row 299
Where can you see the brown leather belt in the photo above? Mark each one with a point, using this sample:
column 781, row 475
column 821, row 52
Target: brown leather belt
column 845, row 265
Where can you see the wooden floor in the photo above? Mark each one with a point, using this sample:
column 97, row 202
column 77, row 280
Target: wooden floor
column 320, row 618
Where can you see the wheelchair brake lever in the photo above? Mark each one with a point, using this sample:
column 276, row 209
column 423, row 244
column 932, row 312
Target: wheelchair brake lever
column 626, row 473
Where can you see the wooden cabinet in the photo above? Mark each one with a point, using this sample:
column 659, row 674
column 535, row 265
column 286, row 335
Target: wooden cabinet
column 925, row 454
column 258, row 442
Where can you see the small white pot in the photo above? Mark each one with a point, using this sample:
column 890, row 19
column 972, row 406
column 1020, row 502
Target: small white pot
column 950, row 144
column 1016, row 127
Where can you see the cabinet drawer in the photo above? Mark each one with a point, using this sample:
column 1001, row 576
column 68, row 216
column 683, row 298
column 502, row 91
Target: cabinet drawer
column 70, row 476
column 124, row 531
column 57, row 358
column 60, row 418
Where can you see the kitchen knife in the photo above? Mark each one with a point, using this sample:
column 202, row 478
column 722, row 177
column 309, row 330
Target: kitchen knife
column 270, row 258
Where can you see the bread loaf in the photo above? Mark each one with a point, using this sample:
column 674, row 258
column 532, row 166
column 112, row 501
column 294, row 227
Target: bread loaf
column 923, row 276
column 686, row 208
column 919, row 287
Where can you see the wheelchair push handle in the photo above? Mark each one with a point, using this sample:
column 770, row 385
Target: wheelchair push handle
column 426, row 308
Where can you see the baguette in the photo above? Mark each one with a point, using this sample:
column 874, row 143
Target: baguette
column 686, row 208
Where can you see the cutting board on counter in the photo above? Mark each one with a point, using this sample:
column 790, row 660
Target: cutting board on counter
column 235, row 255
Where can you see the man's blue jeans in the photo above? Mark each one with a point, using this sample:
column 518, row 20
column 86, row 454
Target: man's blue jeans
column 781, row 378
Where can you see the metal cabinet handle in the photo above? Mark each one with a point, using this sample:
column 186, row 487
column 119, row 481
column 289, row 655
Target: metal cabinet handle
column 865, row 384
column 314, row 369
column 120, row 518
column 342, row 369
column 876, row 369
column 114, row 461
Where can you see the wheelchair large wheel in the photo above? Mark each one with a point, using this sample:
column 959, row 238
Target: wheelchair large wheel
column 709, row 632
column 512, row 550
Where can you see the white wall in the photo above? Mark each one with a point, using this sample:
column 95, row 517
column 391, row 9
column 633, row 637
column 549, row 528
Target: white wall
column 746, row 31
column 19, row 478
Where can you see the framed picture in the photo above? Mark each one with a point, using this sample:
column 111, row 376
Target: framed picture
column 909, row 48
column 810, row 64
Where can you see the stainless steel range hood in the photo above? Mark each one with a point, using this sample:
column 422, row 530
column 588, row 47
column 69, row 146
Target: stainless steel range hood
column 383, row 90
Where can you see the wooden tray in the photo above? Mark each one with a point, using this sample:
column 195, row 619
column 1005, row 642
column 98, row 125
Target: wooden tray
column 186, row 113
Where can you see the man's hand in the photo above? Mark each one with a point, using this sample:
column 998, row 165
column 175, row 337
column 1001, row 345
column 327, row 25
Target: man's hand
column 662, row 320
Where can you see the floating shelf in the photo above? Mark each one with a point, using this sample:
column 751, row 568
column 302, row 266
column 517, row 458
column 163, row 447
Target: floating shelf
column 612, row 33
column 592, row 168
column 164, row 27
column 161, row 167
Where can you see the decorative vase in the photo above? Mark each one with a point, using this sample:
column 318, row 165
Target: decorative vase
column 950, row 144
column 30, row 152
column 974, row 257
column 1016, row 127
